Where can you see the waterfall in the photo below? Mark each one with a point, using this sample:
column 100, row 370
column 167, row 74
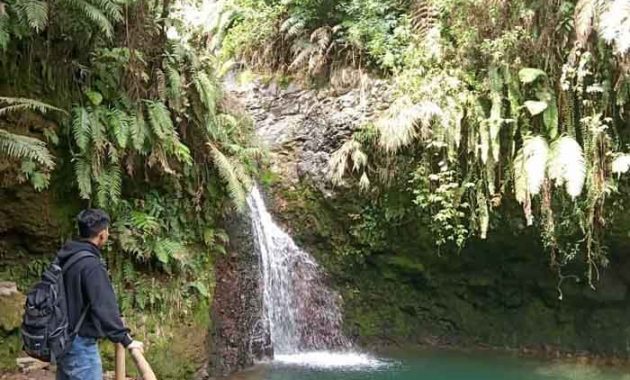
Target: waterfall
column 301, row 312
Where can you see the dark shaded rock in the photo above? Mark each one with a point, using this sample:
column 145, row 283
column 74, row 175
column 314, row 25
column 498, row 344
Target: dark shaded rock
column 238, row 336
column 28, row 220
column 611, row 288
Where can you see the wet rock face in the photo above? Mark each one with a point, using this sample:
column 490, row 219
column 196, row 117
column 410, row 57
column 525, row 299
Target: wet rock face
column 27, row 222
column 303, row 127
column 237, row 337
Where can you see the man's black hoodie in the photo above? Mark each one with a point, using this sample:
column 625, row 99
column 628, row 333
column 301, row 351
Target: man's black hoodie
column 87, row 283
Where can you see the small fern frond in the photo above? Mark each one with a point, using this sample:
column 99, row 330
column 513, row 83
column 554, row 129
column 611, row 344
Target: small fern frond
column 230, row 176
column 21, row 147
column 24, row 104
column 397, row 127
column 530, row 167
column 424, row 17
column 160, row 120
column 34, row 12
column 137, row 130
column 174, row 86
column 148, row 224
column 339, row 160
column 302, row 52
column 584, row 17
column 322, row 37
column 109, row 184
column 566, row 165
column 207, row 90
column 293, row 26
column 83, row 174
column 118, row 124
column 81, row 127
column 166, row 250
column 97, row 129
column 94, row 14
column 111, row 9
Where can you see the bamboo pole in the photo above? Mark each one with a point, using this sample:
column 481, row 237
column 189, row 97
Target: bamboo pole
column 121, row 372
column 142, row 365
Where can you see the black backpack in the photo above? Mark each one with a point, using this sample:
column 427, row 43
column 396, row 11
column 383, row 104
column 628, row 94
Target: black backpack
column 45, row 329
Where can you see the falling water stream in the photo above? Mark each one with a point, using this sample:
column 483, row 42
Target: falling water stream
column 303, row 314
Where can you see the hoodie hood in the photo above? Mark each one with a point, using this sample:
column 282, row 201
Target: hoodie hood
column 73, row 246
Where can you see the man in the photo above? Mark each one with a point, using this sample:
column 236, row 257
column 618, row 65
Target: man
column 88, row 287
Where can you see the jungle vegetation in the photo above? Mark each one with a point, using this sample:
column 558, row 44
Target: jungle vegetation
column 498, row 102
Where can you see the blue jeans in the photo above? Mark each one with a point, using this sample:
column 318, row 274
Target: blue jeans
column 82, row 362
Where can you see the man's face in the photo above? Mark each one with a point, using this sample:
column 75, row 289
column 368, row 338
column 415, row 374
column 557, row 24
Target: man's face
column 103, row 236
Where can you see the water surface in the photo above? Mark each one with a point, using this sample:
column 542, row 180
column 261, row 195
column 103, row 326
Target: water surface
column 424, row 366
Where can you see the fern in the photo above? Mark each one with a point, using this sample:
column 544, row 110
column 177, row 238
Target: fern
column 566, row 165
column 293, row 26
column 83, row 174
column 424, row 17
column 94, row 14
column 24, row 104
column 160, row 120
column 111, row 9
column 231, row 175
column 21, row 147
column 81, row 127
column 137, row 130
column 34, row 12
column 350, row 150
column 398, row 126
column 148, row 224
column 583, row 20
column 208, row 91
column 529, row 167
column 182, row 152
column 109, row 186
column 118, row 123
column 174, row 89
column 97, row 130
column 5, row 37
column 166, row 249
column 302, row 52
column 364, row 182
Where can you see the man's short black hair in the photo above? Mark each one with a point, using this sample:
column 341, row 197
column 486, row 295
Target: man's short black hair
column 91, row 222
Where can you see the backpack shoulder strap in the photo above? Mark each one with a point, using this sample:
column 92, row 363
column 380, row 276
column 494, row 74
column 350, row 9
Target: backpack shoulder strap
column 75, row 259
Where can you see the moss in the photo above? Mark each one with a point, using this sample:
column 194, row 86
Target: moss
column 11, row 308
column 175, row 350
column 10, row 349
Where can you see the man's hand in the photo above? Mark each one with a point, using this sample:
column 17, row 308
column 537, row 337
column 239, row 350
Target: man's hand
column 136, row 345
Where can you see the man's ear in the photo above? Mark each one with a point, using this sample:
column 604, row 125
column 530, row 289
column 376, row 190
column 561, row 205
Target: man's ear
column 102, row 237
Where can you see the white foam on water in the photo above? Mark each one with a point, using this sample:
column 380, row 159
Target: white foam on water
column 328, row 359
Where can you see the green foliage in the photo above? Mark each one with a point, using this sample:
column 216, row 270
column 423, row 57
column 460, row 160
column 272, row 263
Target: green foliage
column 486, row 112
column 24, row 147
column 144, row 111
column 312, row 36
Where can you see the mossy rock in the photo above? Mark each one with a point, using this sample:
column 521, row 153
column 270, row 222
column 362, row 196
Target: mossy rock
column 11, row 306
